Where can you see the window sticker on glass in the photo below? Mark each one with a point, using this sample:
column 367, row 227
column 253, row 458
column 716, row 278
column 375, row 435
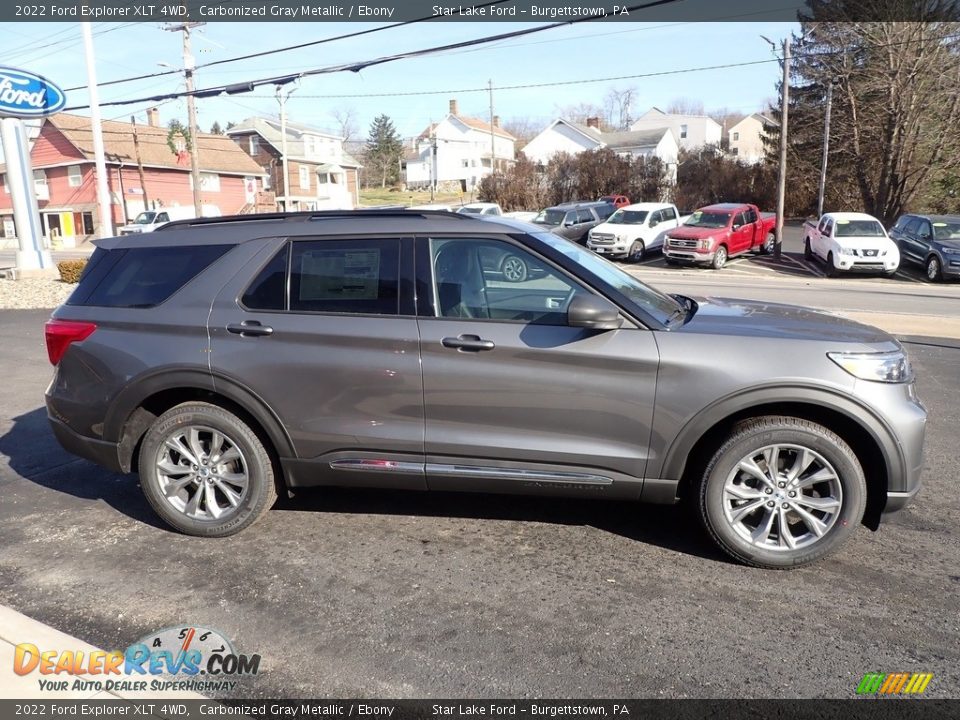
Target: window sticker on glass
column 340, row 275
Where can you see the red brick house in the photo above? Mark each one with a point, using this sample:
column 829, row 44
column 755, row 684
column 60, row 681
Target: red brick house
column 64, row 175
column 322, row 175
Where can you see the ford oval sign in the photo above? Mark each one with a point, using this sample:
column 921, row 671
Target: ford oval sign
column 25, row 95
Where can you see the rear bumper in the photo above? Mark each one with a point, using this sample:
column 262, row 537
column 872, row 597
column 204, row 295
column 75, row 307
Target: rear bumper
column 897, row 501
column 102, row 452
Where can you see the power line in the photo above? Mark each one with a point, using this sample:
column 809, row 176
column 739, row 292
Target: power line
column 288, row 48
column 364, row 64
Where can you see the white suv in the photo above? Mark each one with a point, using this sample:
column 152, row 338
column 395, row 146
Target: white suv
column 633, row 230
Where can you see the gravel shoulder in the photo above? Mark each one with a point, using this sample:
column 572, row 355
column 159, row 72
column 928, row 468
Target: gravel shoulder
column 33, row 294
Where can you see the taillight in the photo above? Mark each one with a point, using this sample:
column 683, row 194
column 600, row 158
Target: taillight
column 60, row 333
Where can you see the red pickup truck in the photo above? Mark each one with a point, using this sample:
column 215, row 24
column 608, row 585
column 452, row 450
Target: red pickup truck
column 715, row 233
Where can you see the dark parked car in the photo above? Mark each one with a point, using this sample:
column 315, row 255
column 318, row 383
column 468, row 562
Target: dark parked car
column 229, row 359
column 574, row 220
column 931, row 241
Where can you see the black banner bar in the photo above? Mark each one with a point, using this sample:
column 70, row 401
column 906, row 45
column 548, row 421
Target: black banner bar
column 857, row 709
column 536, row 11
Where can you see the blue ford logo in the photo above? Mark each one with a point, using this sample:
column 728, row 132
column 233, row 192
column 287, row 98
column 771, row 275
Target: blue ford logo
column 25, row 95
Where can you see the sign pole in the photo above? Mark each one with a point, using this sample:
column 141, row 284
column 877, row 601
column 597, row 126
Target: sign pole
column 32, row 257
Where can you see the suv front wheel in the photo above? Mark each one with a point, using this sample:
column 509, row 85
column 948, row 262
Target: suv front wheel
column 204, row 471
column 782, row 492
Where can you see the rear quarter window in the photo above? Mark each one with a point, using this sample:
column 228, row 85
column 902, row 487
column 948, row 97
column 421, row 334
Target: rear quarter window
column 142, row 277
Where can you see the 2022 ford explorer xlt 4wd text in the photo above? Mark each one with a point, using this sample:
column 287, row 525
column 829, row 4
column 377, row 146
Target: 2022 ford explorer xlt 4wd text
column 226, row 359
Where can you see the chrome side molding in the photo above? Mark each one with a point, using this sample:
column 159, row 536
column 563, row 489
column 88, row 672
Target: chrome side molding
column 367, row 465
column 477, row 471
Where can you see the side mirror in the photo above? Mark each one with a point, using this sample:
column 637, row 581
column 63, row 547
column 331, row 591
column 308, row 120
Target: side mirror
column 736, row 226
column 593, row 312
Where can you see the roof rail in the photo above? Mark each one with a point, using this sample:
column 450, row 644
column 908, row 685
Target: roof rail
column 310, row 215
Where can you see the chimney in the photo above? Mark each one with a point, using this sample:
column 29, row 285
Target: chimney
column 153, row 117
column 453, row 107
column 593, row 122
column 496, row 121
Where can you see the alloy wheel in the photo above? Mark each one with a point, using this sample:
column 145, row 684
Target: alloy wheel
column 202, row 473
column 782, row 497
column 933, row 269
column 514, row 269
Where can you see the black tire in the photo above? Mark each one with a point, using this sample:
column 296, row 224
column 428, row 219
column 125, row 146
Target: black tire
column 933, row 269
column 832, row 270
column 719, row 258
column 807, row 252
column 768, row 244
column 635, row 254
column 724, row 480
column 514, row 268
column 253, row 461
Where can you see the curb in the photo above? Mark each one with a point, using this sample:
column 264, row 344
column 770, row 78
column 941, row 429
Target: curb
column 17, row 628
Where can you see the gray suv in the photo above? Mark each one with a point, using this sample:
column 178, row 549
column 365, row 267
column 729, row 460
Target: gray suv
column 228, row 359
column 574, row 220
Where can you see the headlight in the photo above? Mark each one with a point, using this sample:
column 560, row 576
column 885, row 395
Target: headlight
column 950, row 251
column 705, row 244
column 846, row 251
column 889, row 367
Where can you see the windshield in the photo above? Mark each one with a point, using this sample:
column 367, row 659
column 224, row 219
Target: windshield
column 708, row 220
column 859, row 228
column 946, row 231
column 628, row 217
column 662, row 307
column 145, row 218
column 550, row 217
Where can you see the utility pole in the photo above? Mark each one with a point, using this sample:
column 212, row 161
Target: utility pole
column 782, row 180
column 103, row 193
column 136, row 150
column 826, row 149
column 188, row 67
column 493, row 142
column 282, row 99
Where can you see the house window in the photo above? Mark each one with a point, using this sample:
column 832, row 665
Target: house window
column 735, row 136
column 683, row 132
column 734, row 151
column 304, row 177
column 466, row 163
column 40, row 185
column 266, row 182
column 323, row 178
column 254, row 144
column 210, row 182
column 74, row 177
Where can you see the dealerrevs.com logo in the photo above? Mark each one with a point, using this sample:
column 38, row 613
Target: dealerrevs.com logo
column 189, row 658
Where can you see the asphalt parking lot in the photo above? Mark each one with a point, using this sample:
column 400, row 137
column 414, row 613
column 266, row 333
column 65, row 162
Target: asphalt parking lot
column 361, row 593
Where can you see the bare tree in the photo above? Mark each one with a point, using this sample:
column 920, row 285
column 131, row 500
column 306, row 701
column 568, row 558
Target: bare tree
column 581, row 112
column 685, row 106
column 618, row 106
column 524, row 129
column 346, row 122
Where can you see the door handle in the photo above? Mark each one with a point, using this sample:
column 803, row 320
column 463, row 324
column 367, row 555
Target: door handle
column 249, row 328
column 468, row 342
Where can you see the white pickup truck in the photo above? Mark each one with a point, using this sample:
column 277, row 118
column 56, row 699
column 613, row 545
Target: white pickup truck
column 850, row 242
column 634, row 230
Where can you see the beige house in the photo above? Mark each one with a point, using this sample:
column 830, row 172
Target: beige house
column 745, row 139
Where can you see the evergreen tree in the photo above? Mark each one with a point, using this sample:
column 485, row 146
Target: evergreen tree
column 384, row 150
column 215, row 129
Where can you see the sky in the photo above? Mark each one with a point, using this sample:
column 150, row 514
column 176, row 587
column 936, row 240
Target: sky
column 569, row 55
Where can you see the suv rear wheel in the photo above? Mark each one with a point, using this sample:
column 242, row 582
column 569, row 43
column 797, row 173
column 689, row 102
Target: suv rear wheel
column 782, row 492
column 204, row 471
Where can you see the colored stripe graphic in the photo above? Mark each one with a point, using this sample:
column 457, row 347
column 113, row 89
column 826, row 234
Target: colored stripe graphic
column 894, row 683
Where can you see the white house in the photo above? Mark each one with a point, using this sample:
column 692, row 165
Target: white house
column 322, row 175
column 692, row 131
column 565, row 136
column 458, row 149
column 745, row 139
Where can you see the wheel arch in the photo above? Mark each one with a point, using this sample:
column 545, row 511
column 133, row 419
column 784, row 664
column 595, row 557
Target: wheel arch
column 868, row 436
column 142, row 402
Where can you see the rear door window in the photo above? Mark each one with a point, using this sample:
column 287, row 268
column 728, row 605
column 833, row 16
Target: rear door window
column 346, row 276
column 912, row 226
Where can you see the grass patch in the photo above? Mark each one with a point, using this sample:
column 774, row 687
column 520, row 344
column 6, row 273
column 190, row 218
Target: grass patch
column 386, row 196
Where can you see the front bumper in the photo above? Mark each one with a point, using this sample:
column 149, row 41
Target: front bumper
column 616, row 250
column 852, row 264
column 950, row 266
column 689, row 255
